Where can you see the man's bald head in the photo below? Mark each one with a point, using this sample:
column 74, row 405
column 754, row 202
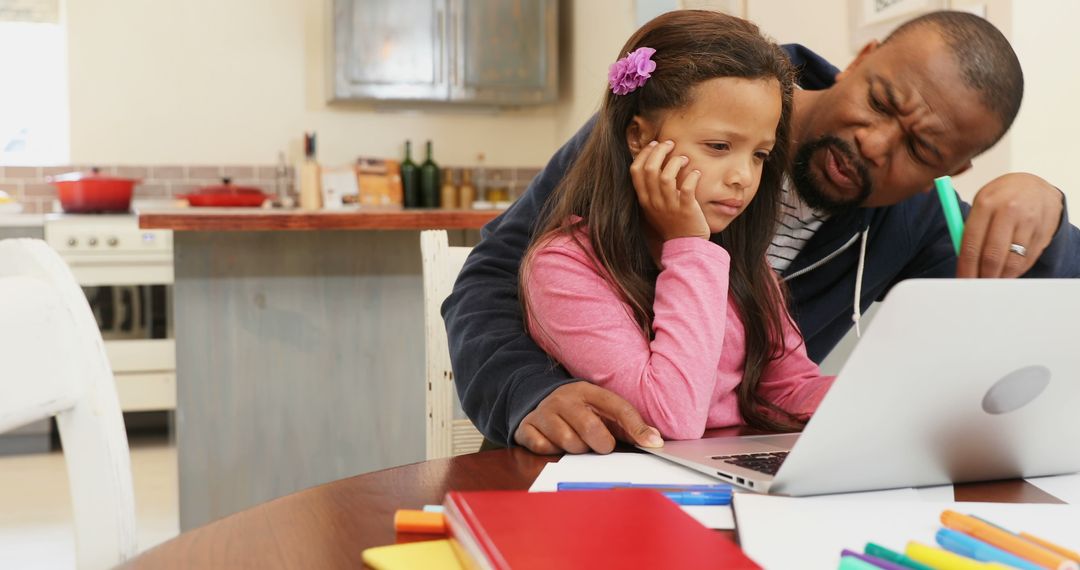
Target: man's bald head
column 987, row 62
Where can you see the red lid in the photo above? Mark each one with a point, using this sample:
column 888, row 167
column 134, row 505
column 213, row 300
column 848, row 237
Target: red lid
column 94, row 174
column 227, row 187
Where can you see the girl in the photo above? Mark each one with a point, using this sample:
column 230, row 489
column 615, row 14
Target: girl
column 649, row 274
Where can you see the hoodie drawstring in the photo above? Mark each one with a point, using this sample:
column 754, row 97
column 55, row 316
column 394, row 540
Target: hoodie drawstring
column 857, row 314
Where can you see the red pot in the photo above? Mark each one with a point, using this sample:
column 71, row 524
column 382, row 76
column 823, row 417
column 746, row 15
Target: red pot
column 226, row 195
column 82, row 193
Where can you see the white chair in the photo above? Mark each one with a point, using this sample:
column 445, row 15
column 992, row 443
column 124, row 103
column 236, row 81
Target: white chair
column 53, row 363
column 449, row 431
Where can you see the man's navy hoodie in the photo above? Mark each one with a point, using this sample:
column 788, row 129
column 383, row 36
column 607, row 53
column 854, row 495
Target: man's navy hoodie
column 501, row 374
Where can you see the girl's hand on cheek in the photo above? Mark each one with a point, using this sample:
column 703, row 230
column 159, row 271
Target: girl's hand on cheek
column 670, row 208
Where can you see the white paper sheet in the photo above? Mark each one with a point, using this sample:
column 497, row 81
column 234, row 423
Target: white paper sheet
column 637, row 468
column 781, row 533
column 642, row 468
column 1064, row 487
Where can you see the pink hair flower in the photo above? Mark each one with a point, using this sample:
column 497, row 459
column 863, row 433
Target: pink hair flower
column 631, row 72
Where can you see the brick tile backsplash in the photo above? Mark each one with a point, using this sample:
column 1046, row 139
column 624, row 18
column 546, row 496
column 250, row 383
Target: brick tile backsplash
column 180, row 188
column 500, row 176
column 28, row 183
column 204, row 172
column 140, row 172
column 525, row 175
column 22, row 172
column 167, row 172
column 55, row 170
column 238, row 172
column 13, row 189
column 39, row 190
column 153, row 190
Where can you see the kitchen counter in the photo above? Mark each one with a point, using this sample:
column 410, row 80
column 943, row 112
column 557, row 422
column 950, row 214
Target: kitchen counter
column 299, row 354
column 262, row 219
column 22, row 220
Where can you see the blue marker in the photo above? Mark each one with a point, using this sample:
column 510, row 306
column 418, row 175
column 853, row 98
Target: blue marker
column 965, row 545
column 686, row 495
column 595, row 486
column 698, row 498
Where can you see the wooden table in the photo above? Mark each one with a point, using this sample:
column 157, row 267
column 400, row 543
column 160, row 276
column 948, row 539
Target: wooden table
column 330, row 525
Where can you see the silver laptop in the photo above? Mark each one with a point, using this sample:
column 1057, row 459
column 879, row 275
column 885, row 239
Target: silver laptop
column 954, row 380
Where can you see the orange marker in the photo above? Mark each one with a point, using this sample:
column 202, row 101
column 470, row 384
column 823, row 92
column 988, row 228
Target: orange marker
column 419, row 522
column 1051, row 546
column 1006, row 540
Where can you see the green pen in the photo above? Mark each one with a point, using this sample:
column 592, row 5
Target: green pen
column 947, row 194
column 895, row 557
column 852, row 563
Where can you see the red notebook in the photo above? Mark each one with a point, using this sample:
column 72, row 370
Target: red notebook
column 623, row 528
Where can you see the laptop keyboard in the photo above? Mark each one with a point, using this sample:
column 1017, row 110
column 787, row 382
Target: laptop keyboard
column 768, row 463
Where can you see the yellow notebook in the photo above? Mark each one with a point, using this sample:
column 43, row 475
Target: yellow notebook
column 429, row 554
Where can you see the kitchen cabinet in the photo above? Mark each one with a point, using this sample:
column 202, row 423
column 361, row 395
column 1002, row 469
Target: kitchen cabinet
column 501, row 52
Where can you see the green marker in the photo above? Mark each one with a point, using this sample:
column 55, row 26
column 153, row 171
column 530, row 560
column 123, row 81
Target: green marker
column 852, row 563
column 947, row 194
column 883, row 553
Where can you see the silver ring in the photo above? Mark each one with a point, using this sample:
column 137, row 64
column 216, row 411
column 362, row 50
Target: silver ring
column 1018, row 249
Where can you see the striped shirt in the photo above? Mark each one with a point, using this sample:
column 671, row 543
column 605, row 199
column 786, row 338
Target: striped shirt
column 796, row 225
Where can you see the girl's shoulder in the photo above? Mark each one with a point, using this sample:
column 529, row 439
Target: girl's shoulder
column 570, row 239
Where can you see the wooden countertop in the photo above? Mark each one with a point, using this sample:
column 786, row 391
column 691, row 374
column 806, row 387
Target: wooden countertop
column 260, row 219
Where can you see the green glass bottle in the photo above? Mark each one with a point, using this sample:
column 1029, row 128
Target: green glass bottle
column 430, row 182
column 410, row 179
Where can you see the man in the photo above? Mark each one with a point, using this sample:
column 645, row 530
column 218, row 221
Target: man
column 858, row 218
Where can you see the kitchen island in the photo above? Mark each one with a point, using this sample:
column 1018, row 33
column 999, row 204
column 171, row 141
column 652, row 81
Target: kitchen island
column 299, row 347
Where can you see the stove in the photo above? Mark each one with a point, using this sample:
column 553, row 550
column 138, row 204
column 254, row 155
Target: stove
column 127, row 275
column 110, row 249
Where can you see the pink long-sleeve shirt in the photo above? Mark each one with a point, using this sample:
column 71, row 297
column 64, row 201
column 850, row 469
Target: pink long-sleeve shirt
column 683, row 381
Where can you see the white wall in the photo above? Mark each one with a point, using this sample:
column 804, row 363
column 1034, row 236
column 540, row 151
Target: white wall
column 996, row 160
column 157, row 81
column 821, row 25
column 1044, row 137
column 237, row 81
column 598, row 29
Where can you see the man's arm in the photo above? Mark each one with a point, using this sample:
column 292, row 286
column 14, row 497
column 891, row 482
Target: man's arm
column 502, row 376
column 1053, row 243
column 1025, row 210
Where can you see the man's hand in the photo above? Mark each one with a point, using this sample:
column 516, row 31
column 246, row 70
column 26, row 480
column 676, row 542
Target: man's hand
column 582, row 416
column 1017, row 208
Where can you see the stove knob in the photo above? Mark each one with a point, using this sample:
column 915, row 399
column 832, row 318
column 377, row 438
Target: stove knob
column 91, row 242
column 72, row 242
column 113, row 242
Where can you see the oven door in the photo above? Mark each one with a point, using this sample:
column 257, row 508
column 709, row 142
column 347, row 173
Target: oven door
column 127, row 275
column 135, row 323
column 145, row 372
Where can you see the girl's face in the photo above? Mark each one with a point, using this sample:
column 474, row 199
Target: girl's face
column 727, row 131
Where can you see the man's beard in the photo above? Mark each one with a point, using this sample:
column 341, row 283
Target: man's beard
column 811, row 191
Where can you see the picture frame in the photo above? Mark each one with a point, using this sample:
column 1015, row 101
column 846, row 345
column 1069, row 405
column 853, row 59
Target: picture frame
column 875, row 19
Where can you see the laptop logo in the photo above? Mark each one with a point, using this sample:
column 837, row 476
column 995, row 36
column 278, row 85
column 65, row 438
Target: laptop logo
column 1016, row 389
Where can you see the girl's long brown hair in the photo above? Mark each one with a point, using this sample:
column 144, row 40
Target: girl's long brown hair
column 691, row 46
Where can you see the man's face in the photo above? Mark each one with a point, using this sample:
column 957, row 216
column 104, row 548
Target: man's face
column 897, row 118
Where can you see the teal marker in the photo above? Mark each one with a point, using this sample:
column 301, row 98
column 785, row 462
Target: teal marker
column 852, row 563
column 878, row 551
column 947, row 194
